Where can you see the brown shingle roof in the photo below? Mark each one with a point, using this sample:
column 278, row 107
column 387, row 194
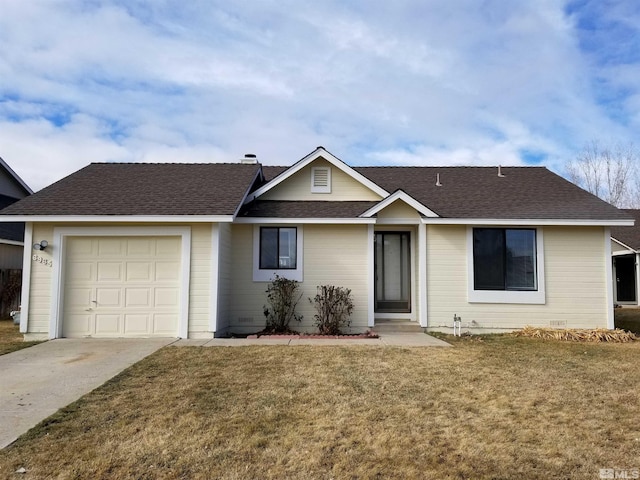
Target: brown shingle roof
column 478, row 192
column 630, row 236
column 307, row 209
column 143, row 189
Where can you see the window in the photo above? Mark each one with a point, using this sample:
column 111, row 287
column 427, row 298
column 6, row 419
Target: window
column 506, row 265
column 277, row 248
column 504, row 259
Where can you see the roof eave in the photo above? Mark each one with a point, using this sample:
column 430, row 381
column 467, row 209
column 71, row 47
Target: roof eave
column 529, row 221
column 118, row 218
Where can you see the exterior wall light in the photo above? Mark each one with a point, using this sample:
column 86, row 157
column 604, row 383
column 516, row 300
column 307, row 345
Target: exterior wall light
column 41, row 246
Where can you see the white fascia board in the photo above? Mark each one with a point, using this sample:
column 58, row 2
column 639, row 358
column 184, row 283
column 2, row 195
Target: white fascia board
column 624, row 245
column 333, row 160
column 528, row 221
column 258, row 174
column 11, row 242
column 326, row 221
column 406, row 198
column 119, row 218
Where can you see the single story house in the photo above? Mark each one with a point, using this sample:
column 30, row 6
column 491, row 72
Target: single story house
column 625, row 248
column 186, row 250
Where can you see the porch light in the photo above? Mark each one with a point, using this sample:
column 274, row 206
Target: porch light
column 41, row 246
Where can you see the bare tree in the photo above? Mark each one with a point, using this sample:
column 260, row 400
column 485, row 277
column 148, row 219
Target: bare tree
column 611, row 173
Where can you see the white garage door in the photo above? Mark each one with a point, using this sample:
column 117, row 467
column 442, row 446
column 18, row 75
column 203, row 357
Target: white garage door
column 121, row 286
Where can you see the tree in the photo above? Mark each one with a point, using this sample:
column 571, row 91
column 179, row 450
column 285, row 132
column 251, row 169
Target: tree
column 608, row 172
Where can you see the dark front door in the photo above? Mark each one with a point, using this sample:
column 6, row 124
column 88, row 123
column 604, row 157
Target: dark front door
column 392, row 272
column 625, row 278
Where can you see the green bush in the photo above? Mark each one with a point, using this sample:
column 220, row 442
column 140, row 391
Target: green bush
column 334, row 306
column 282, row 297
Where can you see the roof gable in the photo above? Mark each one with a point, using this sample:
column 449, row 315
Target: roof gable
column 399, row 197
column 319, row 156
column 11, row 184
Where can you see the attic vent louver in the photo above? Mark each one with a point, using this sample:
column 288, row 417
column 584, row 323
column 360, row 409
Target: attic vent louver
column 321, row 180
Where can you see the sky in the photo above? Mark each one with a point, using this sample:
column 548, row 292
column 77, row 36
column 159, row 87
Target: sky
column 376, row 82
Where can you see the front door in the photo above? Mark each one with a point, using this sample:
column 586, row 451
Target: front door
column 392, row 272
column 625, row 278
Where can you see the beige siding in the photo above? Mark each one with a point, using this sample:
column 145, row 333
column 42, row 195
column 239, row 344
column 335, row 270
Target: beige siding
column 40, row 291
column 575, row 282
column 333, row 254
column 398, row 210
column 298, row 187
column 199, row 289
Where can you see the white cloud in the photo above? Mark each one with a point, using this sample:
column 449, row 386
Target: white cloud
column 439, row 82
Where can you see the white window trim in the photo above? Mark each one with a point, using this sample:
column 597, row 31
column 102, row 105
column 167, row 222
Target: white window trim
column 320, row 189
column 266, row 275
column 537, row 297
column 60, row 235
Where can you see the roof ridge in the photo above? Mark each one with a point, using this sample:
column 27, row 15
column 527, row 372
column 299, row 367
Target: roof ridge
column 174, row 163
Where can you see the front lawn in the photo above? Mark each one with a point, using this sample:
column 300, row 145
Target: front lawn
column 499, row 407
column 10, row 337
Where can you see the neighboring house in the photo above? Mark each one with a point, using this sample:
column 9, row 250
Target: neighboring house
column 186, row 249
column 625, row 248
column 12, row 189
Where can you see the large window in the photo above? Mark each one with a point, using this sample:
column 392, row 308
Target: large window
column 278, row 248
column 504, row 259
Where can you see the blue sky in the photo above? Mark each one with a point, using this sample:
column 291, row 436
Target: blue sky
column 409, row 82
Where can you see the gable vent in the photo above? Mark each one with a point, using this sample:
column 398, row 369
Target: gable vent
column 321, row 180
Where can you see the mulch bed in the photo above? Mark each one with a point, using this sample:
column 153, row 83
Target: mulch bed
column 302, row 336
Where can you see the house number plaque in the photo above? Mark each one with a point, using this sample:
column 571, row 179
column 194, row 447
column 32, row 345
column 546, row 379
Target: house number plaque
column 42, row 260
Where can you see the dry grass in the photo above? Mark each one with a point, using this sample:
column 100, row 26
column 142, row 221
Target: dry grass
column 628, row 318
column 497, row 407
column 577, row 335
column 10, row 338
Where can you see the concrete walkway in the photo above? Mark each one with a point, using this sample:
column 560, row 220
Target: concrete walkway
column 37, row 381
column 385, row 340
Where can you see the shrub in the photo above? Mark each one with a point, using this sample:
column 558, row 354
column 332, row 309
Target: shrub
column 282, row 297
column 334, row 306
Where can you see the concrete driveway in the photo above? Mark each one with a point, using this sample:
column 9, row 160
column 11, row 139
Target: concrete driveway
column 37, row 381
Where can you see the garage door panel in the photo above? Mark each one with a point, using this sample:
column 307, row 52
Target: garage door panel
column 77, row 325
column 138, row 297
column 78, row 297
column 109, row 298
column 81, row 272
column 107, row 324
column 167, row 271
column 81, row 246
column 136, row 324
column 140, row 247
column 166, row 297
column 122, row 286
column 110, row 272
column 110, row 247
column 139, row 271
column 168, row 246
column 164, row 323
